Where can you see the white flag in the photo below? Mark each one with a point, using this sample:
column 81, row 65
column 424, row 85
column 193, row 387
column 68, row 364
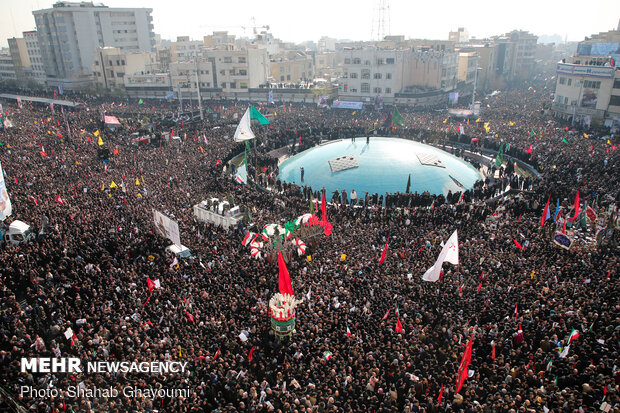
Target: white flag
column 69, row 333
column 242, row 174
column 309, row 293
column 6, row 208
column 449, row 253
column 244, row 132
column 452, row 249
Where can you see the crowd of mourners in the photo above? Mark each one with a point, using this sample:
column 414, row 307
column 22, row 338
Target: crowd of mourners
column 515, row 293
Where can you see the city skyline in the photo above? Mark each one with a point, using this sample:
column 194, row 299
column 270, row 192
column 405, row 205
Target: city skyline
column 482, row 19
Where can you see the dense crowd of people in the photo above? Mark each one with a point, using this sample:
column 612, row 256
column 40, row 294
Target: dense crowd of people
column 514, row 293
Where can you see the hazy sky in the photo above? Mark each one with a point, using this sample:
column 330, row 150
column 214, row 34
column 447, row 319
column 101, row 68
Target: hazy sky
column 296, row 21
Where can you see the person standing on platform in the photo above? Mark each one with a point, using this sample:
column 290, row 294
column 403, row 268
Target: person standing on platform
column 302, row 173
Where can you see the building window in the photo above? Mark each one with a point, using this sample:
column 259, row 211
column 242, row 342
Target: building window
column 377, row 90
column 223, row 85
column 562, row 80
column 379, row 61
column 614, row 100
column 288, row 77
column 353, row 75
column 227, row 59
column 365, row 87
column 233, row 85
column 367, row 62
column 345, row 87
column 377, row 76
column 282, row 78
column 592, row 84
column 365, row 74
column 243, row 85
column 388, row 90
column 617, row 83
column 357, row 61
column 353, row 90
column 347, row 61
column 242, row 59
column 388, row 75
column 570, row 81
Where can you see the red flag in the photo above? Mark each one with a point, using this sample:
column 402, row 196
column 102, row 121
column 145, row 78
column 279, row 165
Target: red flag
column 384, row 252
column 323, row 208
column 546, row 214
column 529, row 149
column 43, row 154
column 493, row 350
column 251, row 354
column 34, row 200
column 564, row 219
column 300, row 139
column 387, row 314
column 517, row 244
column 516, row 311
column 284, row 279
column 463, row 372
column 74, row 338
column 60, row 200
column 480, row 286
column 150, row 283
column 217, row 353
column 15, row 180
column 218, row 162
column 399, row 326
column 440, row 396
column 190, row 318
column 116, row 151
column 576, row 207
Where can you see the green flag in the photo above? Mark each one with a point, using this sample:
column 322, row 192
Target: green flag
column 140, row 102
column 564, row 140
column 499, row 158
column 255, row 114
column 311, row 203
column 396, row 118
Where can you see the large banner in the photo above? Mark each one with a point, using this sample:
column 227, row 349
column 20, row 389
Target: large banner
column 5, row 202
column 341, row 104
column 563, row 240
column 167, row 227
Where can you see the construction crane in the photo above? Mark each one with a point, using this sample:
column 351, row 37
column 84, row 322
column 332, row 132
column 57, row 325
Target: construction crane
column 252, row 26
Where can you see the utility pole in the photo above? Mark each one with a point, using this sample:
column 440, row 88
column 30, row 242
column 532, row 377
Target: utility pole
column 202, row 116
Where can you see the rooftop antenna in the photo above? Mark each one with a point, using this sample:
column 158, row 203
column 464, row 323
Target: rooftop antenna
column 381, row 20
column 13, row 20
